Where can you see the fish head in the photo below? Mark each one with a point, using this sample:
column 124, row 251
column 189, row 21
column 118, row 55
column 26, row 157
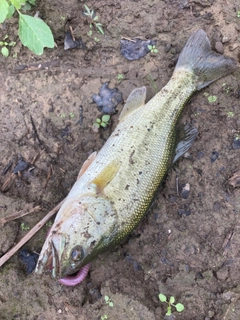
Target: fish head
column 87, row 227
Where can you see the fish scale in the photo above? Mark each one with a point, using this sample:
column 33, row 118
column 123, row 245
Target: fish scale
column 116, row 186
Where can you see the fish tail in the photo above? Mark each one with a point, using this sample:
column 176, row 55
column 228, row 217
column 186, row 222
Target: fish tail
column 206, row 64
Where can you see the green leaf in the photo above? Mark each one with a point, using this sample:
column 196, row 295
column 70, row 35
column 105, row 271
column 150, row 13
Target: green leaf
column 32, row 2
column 179, row 307
column 106, row 118
column 172, row 299
column 5, row 51
column 103, row 124
column 88, row 13
column 3, row 10
column 110, row 304
column 212, row 99
column 106, row 298
column 35, row 33
column 169, row 311
column 18, row 3
column 162, row 297
column 99, row 27
column 11, row 10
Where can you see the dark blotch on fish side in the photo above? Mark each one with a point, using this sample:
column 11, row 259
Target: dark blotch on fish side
column 107, row 99
column 28, row 259
column 69, row 43
column 135, row 49
column 214, row 156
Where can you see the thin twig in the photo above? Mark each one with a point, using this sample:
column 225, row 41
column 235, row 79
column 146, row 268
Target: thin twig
column 17, row 215
column 30, row 234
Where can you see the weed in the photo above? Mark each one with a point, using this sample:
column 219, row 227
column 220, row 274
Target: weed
column 212, row 99
column 120, row 76
column 93, row 19
column 153, row 49
column 5, row 44
column 33, row 32
column 179, row 306
column 71, row 115
column 101, row 122
column 24, row 227
column 108, row 301
column 238, row 14
column 104, row 317
column 230, row 114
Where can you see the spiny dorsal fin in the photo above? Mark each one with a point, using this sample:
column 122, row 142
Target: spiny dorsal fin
column 105, row 176
column 135, row 100
column 186, row 135
column 87, row 163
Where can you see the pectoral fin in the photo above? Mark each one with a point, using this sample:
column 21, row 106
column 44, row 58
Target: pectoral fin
column 105, row 176
column 186, row 135
column 87, row 163
column 135, row 100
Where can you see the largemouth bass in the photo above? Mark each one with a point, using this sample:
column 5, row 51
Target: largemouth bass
column 116, row 186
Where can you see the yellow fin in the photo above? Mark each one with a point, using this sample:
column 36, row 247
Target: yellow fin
column 135, row 100
column 105, row 176
column 87, row 163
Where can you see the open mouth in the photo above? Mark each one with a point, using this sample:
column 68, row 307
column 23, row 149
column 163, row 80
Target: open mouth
column 58, row 244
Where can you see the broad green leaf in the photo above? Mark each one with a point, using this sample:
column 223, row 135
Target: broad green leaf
column 5, row 51
column 179, row 307
column 162, row 297
column 33, row 2
column 18, row 3
column 105, row 118
column 11, row 11
column 110, row 304
column 172, row 299
column 35, row 33
column 3, row 10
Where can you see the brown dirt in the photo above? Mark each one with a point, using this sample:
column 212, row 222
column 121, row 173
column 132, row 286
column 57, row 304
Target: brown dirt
column 194, row 257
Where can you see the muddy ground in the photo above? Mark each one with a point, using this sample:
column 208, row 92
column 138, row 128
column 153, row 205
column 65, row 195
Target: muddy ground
column 184, row 247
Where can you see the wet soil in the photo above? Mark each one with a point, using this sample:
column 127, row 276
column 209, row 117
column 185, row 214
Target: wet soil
column 186, row 246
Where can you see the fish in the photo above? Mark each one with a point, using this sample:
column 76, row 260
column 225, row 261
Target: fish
column 116, row 186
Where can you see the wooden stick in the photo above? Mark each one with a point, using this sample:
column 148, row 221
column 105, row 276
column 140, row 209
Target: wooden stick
column 30, row 234
column 17, row 215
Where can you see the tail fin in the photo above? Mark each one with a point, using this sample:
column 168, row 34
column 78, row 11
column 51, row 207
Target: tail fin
column 205, row 63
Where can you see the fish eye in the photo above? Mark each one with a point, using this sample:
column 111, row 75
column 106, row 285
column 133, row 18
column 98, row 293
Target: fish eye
column 76, row 253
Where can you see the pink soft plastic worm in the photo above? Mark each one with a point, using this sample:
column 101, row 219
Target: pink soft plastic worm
column 72, row 281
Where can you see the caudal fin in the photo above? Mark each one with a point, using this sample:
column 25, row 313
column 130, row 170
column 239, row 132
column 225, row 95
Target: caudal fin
column 205, row 63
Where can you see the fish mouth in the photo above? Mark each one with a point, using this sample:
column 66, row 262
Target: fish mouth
column 58, row 243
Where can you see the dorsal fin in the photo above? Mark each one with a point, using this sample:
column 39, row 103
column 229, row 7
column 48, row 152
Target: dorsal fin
column 87, row 163
column 135, row 100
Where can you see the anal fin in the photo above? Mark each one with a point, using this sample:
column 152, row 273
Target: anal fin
column 186, row 134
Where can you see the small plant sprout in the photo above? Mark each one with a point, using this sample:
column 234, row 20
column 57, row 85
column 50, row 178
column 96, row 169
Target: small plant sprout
column 212, row 99
column 179, row 306
column 24, row 227
column 120, row 76
column 104, row 317
column 93, row 19
column 103, row 122
column 5, row 44
column 238, row 14
column 108, row 301
column 153, row 49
